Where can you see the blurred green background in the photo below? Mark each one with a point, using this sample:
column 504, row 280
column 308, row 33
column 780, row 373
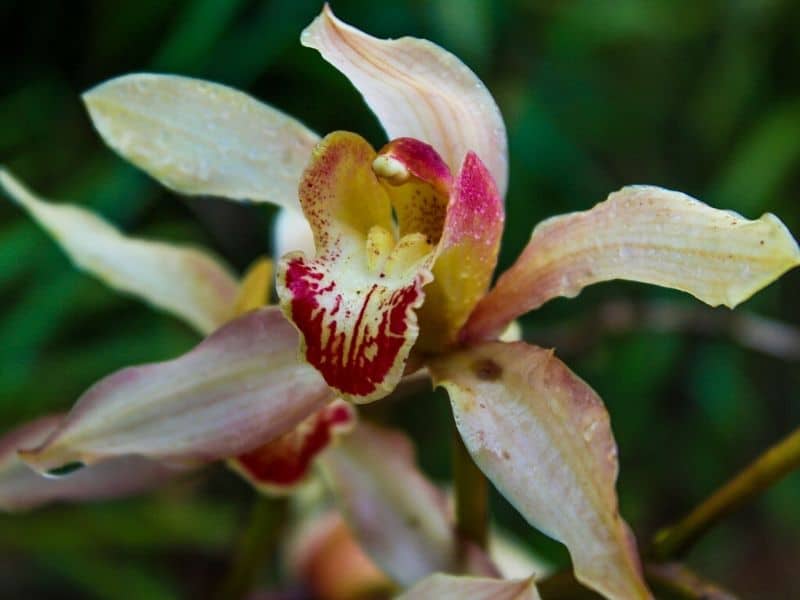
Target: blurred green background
column 700, row 96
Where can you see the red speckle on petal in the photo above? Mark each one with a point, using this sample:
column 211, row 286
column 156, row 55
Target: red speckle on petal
column 284, row 462
column 353, row 355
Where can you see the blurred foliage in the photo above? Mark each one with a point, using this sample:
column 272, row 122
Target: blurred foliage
column 698, row 96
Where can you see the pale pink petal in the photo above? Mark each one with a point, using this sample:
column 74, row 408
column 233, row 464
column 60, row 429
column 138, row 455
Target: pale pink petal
column 397, row 515
column 418, row 90
column 354, row 302
column 241, row 387
column 184, row 281
column 278, row 467
column 21, row 488
column 452, row 587
column 198, row 137
column 641, row 233
column 543, row 437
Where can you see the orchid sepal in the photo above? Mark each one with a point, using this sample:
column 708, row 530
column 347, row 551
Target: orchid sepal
column 419, row 90
column 198, row 137
column 543, row 437
column 646, row 234
column 184, row 281
column 238, row 389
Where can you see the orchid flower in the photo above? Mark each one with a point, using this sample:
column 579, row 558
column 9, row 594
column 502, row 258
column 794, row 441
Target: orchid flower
column 405, row 244
column 199, row 289
column 380, row 490
column 326, row 555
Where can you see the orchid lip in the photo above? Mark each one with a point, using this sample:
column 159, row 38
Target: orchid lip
column 355, row 301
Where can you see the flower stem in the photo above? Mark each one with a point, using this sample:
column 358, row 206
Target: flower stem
column 681, row 582
column 767, row 469
column 471, row 495
column 253, row 548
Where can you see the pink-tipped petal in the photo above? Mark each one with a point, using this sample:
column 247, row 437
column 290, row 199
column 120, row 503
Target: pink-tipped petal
column 354, row 303
column 397, row 515
column 241, row 387
column 278, row 467
column 544, row 439
column 198, row 137
column 453, row 587
column 21, row 488
column 466, row 256
column 640, row 233
column 184, row 281
column 418, row 90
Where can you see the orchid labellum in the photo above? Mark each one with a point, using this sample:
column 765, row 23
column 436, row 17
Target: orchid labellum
column 405, row 242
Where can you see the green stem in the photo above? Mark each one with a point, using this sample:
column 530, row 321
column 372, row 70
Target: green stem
column 767, row 469
column 681, row 582
column 471, row 495
column 253, row 548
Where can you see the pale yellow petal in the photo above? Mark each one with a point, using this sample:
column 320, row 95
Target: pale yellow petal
column 543, row 437
column 184, row 281
column 198, row 137
column 255, row 288
column 647, row 234
column 419, row 90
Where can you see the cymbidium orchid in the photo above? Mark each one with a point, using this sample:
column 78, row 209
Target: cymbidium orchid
column 405, row 244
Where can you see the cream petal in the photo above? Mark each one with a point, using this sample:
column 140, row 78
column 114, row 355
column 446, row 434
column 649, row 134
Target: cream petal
column 21, row 488
column 292, row 233
column 419, row 90
column 184, row 281
column 641, row 233
column 198, row 137
column 543, row 437
column 241, row 387
column 452, row 587
column 397, row 515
